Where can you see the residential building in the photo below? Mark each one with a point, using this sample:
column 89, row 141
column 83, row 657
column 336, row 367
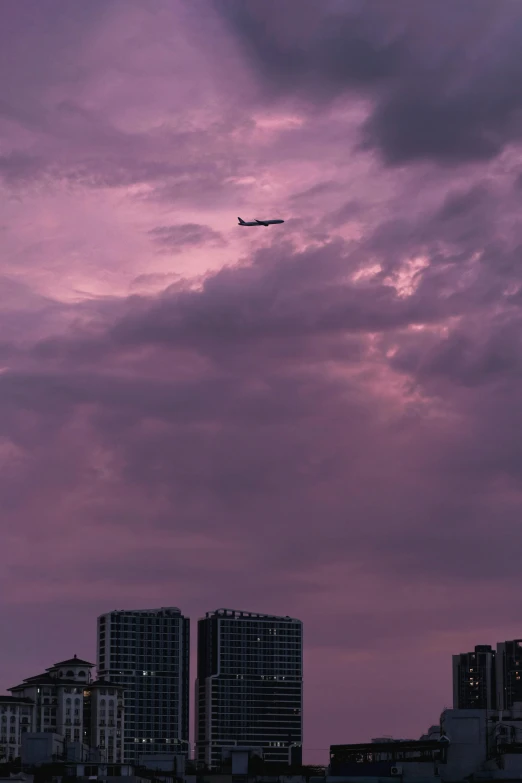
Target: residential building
column 146, row 652
column 509, row 673
column 66, row 702
column 57, row 694
column 474, row 679
column 104, row 723
column 17, row 716
column 249, row 687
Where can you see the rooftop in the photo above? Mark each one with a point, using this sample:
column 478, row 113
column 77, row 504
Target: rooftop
column 174, row 609
column 73, row 662
column 46, row 679
column 238, row 613
column 101, row 683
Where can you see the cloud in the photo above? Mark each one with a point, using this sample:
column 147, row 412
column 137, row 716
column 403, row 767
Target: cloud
column 427, row 103
column 175, row 238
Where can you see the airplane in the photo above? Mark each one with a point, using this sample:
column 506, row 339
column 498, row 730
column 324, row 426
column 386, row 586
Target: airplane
column 256, row 222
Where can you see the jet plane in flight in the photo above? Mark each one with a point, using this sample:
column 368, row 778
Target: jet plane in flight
column 258, row 222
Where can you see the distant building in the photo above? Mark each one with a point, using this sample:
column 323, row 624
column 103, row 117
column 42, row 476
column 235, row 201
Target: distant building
column 57, row 694
column 104, row 719
column 509, row 673
column 66, row 702
column 474, row 679
column 146, row 652
column 17, row 715
column 249, row 688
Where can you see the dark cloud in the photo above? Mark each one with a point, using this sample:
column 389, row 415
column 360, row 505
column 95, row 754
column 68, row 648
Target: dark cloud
column 319, row 53
column 451, row 99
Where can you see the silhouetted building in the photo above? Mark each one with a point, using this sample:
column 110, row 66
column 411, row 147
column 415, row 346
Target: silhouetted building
column 509, row 673
column 146, row 651
column 474, row 679
column 249, row 687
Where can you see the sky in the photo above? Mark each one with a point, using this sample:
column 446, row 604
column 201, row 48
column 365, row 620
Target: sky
column 319, row 419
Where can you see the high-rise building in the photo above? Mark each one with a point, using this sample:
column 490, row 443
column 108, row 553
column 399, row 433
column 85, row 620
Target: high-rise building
column 249, row 688
column 509, row 673
column 146, row 651
column 65, row 701
column 474, row 679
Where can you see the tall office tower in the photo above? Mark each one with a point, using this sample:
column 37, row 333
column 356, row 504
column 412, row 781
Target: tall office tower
column 474, row 679
column 249, row 687
column 509, row 673
column 146, row 651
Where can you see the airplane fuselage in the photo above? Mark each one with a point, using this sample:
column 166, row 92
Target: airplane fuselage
column 259, row 222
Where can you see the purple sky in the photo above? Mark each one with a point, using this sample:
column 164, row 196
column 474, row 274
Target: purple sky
column 321, row 419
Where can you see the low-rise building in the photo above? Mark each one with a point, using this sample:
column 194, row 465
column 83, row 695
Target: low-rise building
column 468, row 745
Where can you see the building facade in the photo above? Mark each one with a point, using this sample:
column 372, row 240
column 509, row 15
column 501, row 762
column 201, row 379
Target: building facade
column 17, row 715
column 104, row 722
column 57, row 694
column 146, row 652
column 509, row 673
column 249, row 687
column 66, row 702
column 474, row 679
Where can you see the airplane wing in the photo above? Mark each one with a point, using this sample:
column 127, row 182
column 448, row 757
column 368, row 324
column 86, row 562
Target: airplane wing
column 261, row 222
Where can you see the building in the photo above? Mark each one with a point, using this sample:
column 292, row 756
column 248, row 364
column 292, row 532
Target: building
column 509, row 673
column 249, row 687
column 479, row 745
column 474, row 679
column 17, row 715
column 104, row 723
column 58, row 697
column 146, row 652
column 66, row 702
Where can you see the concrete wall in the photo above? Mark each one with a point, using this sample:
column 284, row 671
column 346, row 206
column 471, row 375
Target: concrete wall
column 466, row 731
column 39, row 748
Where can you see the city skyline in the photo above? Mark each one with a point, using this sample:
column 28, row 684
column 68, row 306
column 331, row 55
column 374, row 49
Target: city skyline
column 484, row 678
column 319, row 418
